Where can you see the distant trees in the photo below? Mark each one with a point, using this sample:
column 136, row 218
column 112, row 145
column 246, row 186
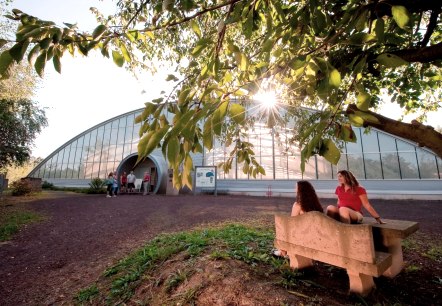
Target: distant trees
column 21, row 118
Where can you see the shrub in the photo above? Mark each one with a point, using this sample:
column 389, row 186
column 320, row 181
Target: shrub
column 21, row 187
column 47, row 185
column 97, row 185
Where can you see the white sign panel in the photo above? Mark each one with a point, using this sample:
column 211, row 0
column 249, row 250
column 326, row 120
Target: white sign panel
column 205, row 177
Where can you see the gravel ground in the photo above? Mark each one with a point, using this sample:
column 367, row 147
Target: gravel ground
column 48, row 262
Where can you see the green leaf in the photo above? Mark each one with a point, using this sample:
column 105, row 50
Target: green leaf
column 98, row 32
column 367, row 117
column 200, row 46
column 361, row 38
column 32, row 56
column 3, row 42
column 218, row 118
column 391, row 60
column 57, row 63
column 363, row 101
column 118, row 58
column 6, row 63
column 238, row 113
column 356, row 120
column 400, row 15
column 173, row 148
column 40, row 63
column 171, row 77
column 125, row 53
column 207, row 135
column 379, row 29
column 168, row 5
column 195, row 27
column 329, row 151
column 334, row 78
column 18, row 50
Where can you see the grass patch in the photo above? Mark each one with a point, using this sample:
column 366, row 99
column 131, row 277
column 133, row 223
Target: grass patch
column 86, row 295
column 247, row 244
column 434, row 253
column 11, row 223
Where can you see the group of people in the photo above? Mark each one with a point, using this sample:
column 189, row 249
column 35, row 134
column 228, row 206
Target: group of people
column 127, row 183
column 351, row 198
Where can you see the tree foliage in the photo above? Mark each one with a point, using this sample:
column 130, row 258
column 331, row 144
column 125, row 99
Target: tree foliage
column 338, row 57
column 21, row 119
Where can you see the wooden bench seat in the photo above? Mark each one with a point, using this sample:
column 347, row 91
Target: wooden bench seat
column 314, row 236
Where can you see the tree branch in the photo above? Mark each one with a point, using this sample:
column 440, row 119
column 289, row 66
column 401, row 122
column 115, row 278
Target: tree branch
column 423, row 135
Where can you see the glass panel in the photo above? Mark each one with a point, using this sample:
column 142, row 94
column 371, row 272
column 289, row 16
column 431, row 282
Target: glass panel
column 373, row 167
column 427, row 164
column 78, row 153
column 386, row 143
column 356, row 165
column 390, row 165
column 114, row 134
column 122, row 122
column 72, row 153
column 107, row 133
column 355, row 147
column 310, row 170
column 95, row 171
column 86, row 139
column 439, row 165
column 370, row 142
column 403, row 146
column 267, row 163
column 120, row 136
column 325, row 170
column 88, row 170
column 293, row 170
column 408, row 164
column 281, row 170
column 81, row 171
column 342, row 164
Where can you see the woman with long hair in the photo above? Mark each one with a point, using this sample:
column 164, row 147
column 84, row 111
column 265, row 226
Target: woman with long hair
column 351, row 198
column 306, row 200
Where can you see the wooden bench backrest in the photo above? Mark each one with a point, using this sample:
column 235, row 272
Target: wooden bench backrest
column 316, row 231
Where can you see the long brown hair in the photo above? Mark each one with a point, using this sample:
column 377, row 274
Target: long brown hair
column 350, row 179
column 306, row 197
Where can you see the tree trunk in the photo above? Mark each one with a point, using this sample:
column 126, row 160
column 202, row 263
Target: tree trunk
column 423, row 135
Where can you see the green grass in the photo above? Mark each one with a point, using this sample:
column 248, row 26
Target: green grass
column 11, row 223
column 250, row 245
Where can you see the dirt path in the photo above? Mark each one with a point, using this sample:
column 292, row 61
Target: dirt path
column 48, row 262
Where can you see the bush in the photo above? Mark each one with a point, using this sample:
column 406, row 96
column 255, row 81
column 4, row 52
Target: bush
column 47, row 185
column 97, row 185
column 21, row 187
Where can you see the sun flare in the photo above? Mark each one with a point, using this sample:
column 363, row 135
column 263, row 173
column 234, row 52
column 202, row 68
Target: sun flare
column 267, row 99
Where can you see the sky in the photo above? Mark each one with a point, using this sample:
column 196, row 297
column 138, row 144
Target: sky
column 93, row 89
column 90, row 89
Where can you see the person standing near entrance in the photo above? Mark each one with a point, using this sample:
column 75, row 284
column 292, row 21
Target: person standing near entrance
column 109, row 183
column 131, row 181
column 123, row 181
column 146, row 183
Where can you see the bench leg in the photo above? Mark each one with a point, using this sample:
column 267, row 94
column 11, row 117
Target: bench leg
column 299, row 262
column 360, row 283
column 394, row 247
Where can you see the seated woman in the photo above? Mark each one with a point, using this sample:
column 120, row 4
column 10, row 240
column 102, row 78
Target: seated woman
column 306, row 200
column 351, row 198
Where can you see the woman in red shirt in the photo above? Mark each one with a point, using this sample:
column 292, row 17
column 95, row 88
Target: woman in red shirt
column 351, row 198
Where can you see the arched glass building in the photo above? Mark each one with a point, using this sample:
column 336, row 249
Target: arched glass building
column 383, row 163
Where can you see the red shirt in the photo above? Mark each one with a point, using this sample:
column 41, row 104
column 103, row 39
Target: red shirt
column 349, row 198
column 146, row 178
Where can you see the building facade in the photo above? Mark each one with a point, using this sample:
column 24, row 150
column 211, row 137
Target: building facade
column 382, row 163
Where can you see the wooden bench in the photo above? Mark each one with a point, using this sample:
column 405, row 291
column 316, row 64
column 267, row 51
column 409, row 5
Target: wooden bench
column 364, row 250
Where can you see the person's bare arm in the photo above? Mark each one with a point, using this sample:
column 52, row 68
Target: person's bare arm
column 296, row 209
column 370, row 208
